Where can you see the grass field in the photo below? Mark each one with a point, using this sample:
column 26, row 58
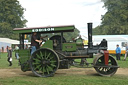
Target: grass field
column 72, row 79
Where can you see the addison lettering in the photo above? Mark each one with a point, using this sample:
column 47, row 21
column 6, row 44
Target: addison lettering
column 42, row 29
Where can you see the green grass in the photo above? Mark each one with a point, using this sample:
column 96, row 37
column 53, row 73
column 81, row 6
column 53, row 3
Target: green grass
column 62, row 79
column 122, row 63
column 66, row 80
column 5, row 64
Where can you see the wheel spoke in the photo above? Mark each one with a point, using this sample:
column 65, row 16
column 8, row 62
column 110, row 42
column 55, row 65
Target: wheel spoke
column 51, row 57
column 99, row 67
column 53, row 65
column 40, row 69
column 47, row 70
column 38, row 56
column 50, row 69
column 53, row 61
column 105, row 69
column 41, row 55
column 48, row 55
column 45, row 54
column 37, row 60
column 108, row 69
column 37, row 67
column 35, row 63
column 44, row 69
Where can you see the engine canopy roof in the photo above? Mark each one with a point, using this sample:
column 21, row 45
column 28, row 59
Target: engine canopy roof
column 46, row 29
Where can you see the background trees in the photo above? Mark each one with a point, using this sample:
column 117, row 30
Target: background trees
column 11, row 16
column 70, row 35
column 115, row 20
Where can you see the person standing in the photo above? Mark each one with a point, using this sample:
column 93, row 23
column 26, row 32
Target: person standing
column 2, row 49
column 7, row 49
column 118, row 52
column 16, row 53
column 34, row 42
column 9, row 56
column 126, row 49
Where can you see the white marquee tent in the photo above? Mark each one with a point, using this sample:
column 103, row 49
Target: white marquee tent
column 113, row 40
column 4, row 42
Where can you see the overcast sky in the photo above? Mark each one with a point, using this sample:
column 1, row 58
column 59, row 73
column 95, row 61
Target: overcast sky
column 63, row 12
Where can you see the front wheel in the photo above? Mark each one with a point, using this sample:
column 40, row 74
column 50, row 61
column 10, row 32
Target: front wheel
column 44, row 62
column 105, row 70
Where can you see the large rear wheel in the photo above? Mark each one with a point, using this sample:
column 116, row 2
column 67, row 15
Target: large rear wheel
column 105, row 70
column 44, row 62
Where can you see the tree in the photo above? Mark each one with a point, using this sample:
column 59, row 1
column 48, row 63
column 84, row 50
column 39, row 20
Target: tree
column 96, row 31
column 11, row 16
column 115, row 20
column 70, row 35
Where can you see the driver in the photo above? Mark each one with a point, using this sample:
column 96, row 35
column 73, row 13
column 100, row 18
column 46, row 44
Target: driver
column 35, row 43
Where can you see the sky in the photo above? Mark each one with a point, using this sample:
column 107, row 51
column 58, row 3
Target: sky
column 63, row 12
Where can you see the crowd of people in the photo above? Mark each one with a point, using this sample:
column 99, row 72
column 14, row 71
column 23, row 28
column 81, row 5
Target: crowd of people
column 118, row 52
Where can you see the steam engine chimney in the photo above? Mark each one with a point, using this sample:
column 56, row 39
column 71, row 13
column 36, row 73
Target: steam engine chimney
column 90, row 44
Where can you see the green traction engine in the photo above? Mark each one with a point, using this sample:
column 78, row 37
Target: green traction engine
column 56, row 53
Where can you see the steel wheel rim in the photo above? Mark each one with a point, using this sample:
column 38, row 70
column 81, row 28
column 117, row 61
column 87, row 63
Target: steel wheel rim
column 44, row 62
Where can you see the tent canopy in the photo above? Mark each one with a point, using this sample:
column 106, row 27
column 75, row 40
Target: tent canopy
column 7, row 40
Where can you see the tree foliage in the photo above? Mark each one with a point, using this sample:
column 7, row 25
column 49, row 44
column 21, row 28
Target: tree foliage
column 96, row 31
column 71, row 35
column 11, row 16
column 115, row 20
